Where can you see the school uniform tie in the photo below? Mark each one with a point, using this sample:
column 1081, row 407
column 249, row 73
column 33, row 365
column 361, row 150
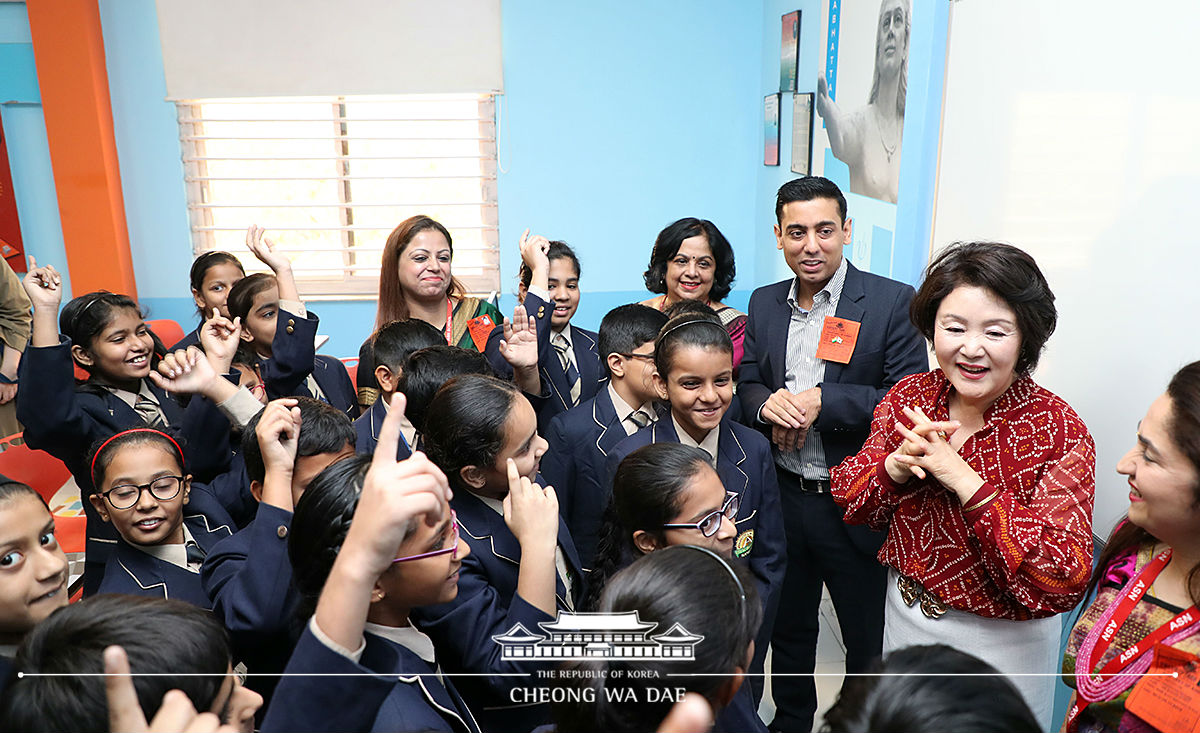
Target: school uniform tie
column 639, row 418
column 314, row 389
column 195, row 555
column 563, row 347
column 149, row 411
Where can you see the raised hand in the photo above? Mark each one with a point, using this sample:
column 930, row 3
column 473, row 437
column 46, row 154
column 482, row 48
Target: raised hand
column 534, row 252
column 264, row 248
column 278, row 432
column 184, row 372
column 176, row 714
column 394, row 492
column 530, row 511
column 519, row 346
column 44, row 286
column 220, row 338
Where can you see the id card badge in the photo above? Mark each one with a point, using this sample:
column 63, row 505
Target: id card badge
column 480, row 328
column 838, row 337
column 1168, row 696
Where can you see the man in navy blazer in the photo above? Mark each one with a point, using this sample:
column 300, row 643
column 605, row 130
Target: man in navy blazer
column 821, row 350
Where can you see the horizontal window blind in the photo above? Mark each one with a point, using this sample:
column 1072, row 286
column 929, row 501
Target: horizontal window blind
column 329, row 178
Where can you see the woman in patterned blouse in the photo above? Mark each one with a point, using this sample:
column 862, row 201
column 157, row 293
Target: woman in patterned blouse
column 983, row 480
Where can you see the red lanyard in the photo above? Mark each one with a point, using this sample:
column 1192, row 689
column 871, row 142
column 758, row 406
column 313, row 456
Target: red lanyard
column 1131, row 595
column 449, row 319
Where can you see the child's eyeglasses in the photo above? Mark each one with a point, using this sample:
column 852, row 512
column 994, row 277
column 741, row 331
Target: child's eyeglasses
column 125, row 496
column 647, row 357
column 711, row 522
column 452, row 548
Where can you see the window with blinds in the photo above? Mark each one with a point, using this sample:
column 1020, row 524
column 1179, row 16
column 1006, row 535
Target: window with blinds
column 329, row 178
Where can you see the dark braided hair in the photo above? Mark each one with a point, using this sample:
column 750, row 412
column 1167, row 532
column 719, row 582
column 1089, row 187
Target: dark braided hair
column 319, row 527
column 647, row 493
column 464, row 425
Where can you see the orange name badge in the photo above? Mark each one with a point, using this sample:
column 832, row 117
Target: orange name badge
column 480, row 328
column 1167, row 696
column 838, row 337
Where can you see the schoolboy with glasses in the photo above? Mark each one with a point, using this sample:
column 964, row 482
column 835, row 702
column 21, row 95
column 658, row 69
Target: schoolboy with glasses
column 581, row 438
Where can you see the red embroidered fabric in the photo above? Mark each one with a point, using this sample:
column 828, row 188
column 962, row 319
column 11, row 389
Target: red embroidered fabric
column 1026, row 554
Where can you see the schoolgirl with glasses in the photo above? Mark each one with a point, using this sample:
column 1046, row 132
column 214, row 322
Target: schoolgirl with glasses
column 166, row 527
column 372, row 538
column 105, row 335
column 693, row 359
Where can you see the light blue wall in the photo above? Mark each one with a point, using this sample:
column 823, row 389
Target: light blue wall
column 616, row 120
column 619, row 118
column 28, row 151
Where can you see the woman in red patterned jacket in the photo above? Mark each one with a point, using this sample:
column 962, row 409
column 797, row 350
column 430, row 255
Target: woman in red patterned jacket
column 983, row 480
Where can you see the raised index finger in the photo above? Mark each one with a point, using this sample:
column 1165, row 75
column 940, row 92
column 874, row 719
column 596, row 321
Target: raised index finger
column 389, row 433
column 124, row 711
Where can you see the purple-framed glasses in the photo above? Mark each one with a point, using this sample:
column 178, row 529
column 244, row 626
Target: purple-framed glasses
column 452, row 548
column 711, row 522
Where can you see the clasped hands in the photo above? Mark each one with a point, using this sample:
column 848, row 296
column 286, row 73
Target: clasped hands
column 791, row 416
column 926, row 452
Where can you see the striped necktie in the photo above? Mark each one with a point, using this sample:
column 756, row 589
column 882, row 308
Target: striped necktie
column 149, row 411
column 639, row 418
column 563, row 347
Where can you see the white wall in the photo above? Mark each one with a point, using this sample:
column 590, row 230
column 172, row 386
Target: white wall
column 1072, row 130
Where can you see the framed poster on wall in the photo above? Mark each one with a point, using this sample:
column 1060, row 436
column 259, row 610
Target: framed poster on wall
column 789, row 55
column 802, row 130
column 771, row 129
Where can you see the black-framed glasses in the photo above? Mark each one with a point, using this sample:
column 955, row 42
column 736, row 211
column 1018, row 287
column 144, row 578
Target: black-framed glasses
column 711, row 522
column 452, row 548
column 647, row 357
column 163, row 488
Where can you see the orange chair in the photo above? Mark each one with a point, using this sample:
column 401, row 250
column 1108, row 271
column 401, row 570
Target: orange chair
column 351, row 363
column 46, row 474
column 167, row 330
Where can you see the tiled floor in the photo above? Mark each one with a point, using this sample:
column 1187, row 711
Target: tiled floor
column 831, row 666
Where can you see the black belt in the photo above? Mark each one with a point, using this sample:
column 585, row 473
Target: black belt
column 807, row 485
column 814, row 485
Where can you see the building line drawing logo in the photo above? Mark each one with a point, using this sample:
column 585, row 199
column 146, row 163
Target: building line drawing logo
column 618, row 636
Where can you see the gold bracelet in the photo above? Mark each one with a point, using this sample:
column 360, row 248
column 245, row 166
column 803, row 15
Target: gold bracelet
column 981, row 502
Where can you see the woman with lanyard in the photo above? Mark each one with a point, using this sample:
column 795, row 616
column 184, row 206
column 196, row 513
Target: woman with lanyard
column 415, row 282
column 1148, row 576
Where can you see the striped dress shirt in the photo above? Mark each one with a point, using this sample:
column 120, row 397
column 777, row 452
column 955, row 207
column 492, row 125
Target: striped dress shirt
column 805, row 370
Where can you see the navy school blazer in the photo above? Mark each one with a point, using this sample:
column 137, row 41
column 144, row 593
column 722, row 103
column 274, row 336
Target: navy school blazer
column 488, row 605
column 7, row 674
column 294, row 357
column 888, row 349
column 745, row 466
column 575, row 465
column 248, row 579
column 66, row 420
column 367, row 428
column 405, row 696
column 134, row 572
column 232, row 491
column 583, row 342
column 191, row 339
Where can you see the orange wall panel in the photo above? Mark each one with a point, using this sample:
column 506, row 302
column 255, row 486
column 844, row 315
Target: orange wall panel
column 68, row 48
